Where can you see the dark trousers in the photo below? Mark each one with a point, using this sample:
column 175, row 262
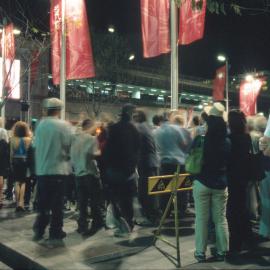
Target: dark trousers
column 237, row 215
column 149, row 204
column 9, row 189
column 122, row 189
column 89, row 187
column 28, row 190
column 169, row 169
column 50, row 197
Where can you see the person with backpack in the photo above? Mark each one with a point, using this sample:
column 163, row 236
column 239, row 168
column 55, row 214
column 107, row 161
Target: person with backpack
column 210, row 187
column 20, row 145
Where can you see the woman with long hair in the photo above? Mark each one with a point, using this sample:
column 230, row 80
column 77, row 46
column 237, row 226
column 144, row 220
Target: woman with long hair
column 210, row 187
column 238, row 178
column 20, row 145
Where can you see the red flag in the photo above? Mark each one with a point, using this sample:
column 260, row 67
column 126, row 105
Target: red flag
column 191, row 21
column 79, row 56
column 249, row 92
column 219, row 84
column 8, row 43
column 55, row 27
column 155, row 27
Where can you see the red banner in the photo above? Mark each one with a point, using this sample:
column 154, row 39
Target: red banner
column 219, row 84
column 155, row 27
column 79, row 56
column 191, row 21
column 9, row 42
column 249, row 92
column 55, row 27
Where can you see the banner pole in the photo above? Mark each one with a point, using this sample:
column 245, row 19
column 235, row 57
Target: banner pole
column 63, row 61
column 174, row 57
column 227, row 85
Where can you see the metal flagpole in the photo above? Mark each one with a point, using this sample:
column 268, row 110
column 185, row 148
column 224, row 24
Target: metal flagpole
column 29, row 97
column 3, row 109
column 174, row 57
column 63, row 62
column 227, row 85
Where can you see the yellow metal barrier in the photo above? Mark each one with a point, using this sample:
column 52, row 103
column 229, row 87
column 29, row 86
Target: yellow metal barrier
column 169, row 184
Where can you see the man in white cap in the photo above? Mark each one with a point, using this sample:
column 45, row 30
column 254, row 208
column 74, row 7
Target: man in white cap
column 52, row 147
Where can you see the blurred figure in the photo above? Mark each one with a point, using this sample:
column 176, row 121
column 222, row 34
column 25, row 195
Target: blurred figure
column 52, row 150
column 84, row 149
column 210, row 187
column 264, row 229
column 121, row 155
column 157, row 120
column 20, row 144
column 173, row 144
column 4, row 162
column 195, row 127
column 256, row 126
column 147, row 166
column 238, row 178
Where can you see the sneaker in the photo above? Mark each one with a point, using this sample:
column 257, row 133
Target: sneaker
column 59, row 235
column 220, row 257
column 200, row 257
column 119, row 233
column 37, row 237
column 124, row 226
column 123, row 229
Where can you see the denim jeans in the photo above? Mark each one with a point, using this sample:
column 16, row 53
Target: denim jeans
column 50, row 197
column 214, row 200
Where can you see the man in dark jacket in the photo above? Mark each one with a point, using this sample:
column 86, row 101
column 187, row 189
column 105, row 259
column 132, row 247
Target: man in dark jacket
column 121, row 155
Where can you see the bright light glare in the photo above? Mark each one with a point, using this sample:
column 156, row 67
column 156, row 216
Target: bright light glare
column 249, row 78
column 131, row 57
column 200, row 107
column 15, row 31
column 111, row 29
column 221, row 58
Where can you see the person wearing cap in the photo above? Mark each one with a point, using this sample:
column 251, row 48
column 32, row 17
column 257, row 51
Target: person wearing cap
column 52, row 155
column 84, row 149
column 210, row 187
column 121, row 155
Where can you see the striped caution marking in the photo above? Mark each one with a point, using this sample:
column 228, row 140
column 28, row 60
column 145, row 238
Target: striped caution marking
column 166, row 183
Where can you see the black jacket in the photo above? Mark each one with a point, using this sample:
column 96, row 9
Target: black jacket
column 122, row 148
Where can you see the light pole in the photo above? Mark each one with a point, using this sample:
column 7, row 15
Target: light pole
column 223, row 58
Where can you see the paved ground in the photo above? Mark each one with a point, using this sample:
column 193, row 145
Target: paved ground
column 104, row 251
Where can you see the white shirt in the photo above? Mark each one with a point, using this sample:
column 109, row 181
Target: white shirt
column 83, row 148
column 52, row 147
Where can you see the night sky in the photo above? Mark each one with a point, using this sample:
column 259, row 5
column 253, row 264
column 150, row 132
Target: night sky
column 245, row 39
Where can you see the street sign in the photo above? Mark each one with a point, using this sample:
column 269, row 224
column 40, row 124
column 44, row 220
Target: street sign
column 166, row 183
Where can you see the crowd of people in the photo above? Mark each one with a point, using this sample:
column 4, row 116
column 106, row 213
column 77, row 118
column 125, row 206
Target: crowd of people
column 105, row 166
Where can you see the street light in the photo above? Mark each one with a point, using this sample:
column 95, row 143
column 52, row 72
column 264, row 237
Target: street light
column 131, row 57
column 111, row 29
column 223, row 58
column 249, row 78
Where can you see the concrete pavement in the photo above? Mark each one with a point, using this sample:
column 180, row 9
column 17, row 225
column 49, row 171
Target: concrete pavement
column 104, row 251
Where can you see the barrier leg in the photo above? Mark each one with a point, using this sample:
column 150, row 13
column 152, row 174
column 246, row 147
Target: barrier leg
column 164, row 217
column 176, row 223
